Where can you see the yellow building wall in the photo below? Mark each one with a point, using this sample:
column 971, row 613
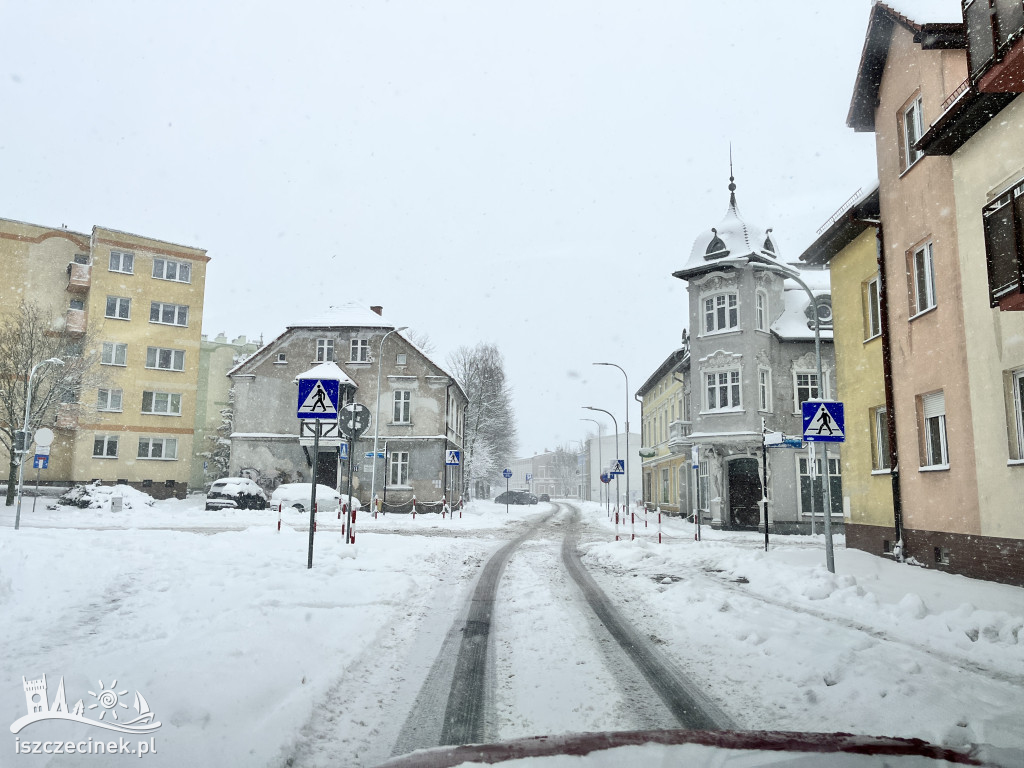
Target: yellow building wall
column 982, row 168
column 134, row 378
column 664, row 401
column 867, row 493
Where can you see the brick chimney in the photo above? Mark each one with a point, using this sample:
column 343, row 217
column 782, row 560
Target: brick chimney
column 378, row 310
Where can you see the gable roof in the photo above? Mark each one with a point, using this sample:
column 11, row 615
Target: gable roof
column 678, row 356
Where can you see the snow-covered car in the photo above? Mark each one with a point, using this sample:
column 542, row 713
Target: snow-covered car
column 297, row 495
column 236, row 493
column 516, row 497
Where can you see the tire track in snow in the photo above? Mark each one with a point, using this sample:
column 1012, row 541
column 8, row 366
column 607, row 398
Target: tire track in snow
column 681, row 695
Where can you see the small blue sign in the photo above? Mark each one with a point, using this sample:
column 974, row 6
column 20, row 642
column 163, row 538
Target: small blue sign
column 40, row 462
column 343, row 451
column 380, row 454
column 507, row 474
column 824, row 421
column 451, row 458
column 605, row 477
column 529, row 477
column 619, row 468
column 318, row 399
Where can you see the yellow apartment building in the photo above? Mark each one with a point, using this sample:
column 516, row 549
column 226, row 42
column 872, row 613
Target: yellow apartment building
column 138, row 303
column 848, row 245
column 665, row 431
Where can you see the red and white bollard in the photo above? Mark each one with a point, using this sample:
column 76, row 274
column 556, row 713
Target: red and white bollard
column 279, row 518
column 413, row 507
column 314, row 516
column 632, row 526
column 352, row 526
column 659, row 525
column 376, row 506
column 444, row 506
column 616, row 522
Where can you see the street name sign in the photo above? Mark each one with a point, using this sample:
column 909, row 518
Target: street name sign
column 824, row 421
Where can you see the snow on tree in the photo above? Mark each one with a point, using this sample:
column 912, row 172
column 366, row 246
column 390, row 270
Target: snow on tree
column 29, row 336
column 566, row 469
column 490, row 432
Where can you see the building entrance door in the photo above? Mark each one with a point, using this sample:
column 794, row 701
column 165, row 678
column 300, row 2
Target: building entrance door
column 744, row 494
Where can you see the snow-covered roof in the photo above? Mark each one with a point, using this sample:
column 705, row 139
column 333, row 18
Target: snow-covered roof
column 732, row 237
column 795, row 321
column 328, row 370
column 349, row 315
column 927, row 11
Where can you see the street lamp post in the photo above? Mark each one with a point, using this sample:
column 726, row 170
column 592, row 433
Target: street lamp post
column 616, row 423
column 793, row 275
column 626, row 428
column 376, row 418
column 600, row 461
column 24, row 444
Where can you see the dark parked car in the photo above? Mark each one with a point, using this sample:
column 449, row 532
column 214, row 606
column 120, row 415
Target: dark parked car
column 516, row 497
column 236, row 493
column 545, row 497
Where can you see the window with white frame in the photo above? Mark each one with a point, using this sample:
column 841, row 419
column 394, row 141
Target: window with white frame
column 913, row 129
column 360, row 351
column 873, row 309
column 399, row 474
column 835, row 482
column 764, row 389
column 401, row 359
column 922, row 273
column 324, row 350
column 664, row 486
column 805, row 387
column 1017, row 380
column 721, row 313
column 114, row 353
column 933, row 417
column 703, row 484
column 118, row 308
column 158, row 448
column 879, row 439
column 109, row 400
column 178, row 271
column 723, row 390
column 403, row 403
column 165, row 359
column 282, row 357
column 104, row 447
column 161, row 403
column 168, row 314
column 761, row 311
column 122, row 262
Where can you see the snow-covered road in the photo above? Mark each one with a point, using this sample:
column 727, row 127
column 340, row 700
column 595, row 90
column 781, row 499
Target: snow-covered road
column 248, row 658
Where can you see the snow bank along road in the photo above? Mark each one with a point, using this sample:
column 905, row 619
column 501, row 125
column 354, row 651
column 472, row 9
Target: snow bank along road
column 467, row 684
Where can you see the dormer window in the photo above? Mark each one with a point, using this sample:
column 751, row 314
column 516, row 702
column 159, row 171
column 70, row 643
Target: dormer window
column 769, row 246
column 716, row 248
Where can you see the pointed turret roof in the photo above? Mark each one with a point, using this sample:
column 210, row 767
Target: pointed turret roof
column 732, row 237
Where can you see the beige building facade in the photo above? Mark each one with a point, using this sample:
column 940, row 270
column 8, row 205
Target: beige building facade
column 138, row 304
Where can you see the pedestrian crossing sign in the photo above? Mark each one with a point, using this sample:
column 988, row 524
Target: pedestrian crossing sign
column 451, row 458
column 824, row 421
column 318, row 399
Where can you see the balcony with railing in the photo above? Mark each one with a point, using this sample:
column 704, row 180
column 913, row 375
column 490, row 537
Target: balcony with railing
column 679, row 436
column 995, row 41
column 1004, row 230
column 79, row 276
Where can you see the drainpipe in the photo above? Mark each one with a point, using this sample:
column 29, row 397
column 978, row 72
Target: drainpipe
column 899, row 550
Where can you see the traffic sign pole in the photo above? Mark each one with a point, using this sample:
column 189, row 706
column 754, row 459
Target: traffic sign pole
column 312, row 498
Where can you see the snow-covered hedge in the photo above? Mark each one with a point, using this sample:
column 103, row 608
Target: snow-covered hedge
column 96, row 496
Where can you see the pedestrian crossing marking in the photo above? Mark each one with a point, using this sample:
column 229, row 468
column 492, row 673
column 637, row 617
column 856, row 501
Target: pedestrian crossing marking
column 318, row 401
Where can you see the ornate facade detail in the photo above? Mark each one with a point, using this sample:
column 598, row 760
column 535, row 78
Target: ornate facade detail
column 763, row 359
column 720, row 360
column 714, row 282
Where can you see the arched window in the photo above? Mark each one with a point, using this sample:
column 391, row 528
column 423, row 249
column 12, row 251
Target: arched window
column 716, row 248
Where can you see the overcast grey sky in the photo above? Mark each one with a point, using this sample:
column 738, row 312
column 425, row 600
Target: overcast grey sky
column 527, row 173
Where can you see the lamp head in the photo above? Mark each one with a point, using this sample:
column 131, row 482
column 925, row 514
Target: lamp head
column 55, row 361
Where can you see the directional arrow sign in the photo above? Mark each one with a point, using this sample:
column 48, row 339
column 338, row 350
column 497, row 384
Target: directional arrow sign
column 507, row 474
column 824, row 421
column 318, row 399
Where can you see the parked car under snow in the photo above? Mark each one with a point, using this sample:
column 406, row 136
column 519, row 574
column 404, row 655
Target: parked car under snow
column 297, row 495
column 236, row 493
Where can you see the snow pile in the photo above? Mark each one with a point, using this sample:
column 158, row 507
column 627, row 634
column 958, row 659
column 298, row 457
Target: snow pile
column 96, row 496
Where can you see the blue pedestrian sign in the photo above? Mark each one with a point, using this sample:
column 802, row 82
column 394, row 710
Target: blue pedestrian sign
column 619, row 468
column 451, row 458
column 507, row 474
column 318, row 399
column 824, row 421
column 343, row 451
